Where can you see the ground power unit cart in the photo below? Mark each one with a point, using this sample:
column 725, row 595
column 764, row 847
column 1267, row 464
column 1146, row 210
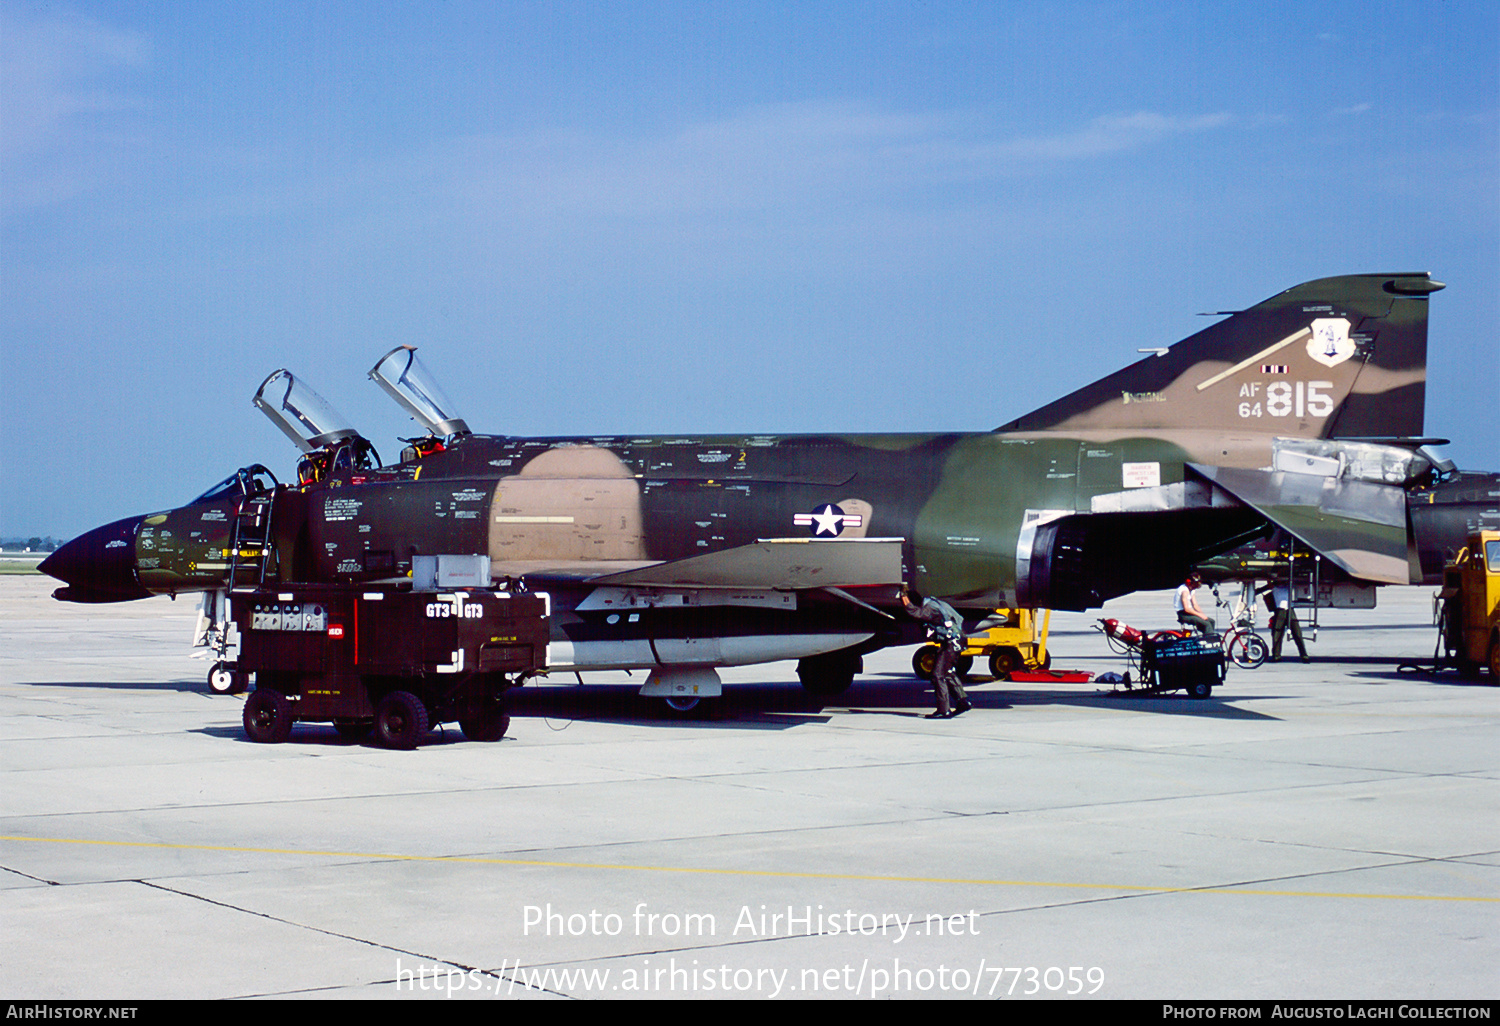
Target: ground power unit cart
column 390, row 659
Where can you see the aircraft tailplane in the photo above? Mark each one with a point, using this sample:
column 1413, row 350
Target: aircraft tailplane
column 1338, row 357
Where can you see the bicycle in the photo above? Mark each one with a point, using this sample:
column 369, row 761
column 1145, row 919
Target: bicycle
column 1241, row 644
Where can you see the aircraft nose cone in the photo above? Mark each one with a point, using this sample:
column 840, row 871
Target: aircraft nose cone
column 98, row 566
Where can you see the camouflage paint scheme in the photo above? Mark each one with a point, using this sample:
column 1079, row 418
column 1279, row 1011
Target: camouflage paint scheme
column 1302, row 413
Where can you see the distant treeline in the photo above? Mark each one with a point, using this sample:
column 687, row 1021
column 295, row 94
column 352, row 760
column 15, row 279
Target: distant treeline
column 46, row 544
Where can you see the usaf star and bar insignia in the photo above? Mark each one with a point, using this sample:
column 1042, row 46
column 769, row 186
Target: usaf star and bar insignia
column 827, row 520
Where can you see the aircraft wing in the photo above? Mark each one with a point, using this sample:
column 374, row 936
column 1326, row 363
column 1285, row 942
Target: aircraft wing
column 779, row 563
column 1360, row 526
column 787, row 593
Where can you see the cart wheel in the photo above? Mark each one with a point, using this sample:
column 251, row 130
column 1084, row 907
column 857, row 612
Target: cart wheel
column 1004, row 662
column 268, row 716
column 923, row 661
column 485, row 719
column 962, row 665
column 1199, row 689
column 224, row 680
column 400, row 720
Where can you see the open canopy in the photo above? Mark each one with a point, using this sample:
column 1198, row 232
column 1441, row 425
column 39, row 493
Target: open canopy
column 302, row 414
column 408, row 382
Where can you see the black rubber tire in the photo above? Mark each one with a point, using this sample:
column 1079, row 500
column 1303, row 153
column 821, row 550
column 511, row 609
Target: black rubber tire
column 485, row 719
column 681, row 704
column 963, row 666
column 829, row 674
column 401, row 720
column 268, row 716
column 1199, row 689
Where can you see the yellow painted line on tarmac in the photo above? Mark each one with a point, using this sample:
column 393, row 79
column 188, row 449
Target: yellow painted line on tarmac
column 782, row 874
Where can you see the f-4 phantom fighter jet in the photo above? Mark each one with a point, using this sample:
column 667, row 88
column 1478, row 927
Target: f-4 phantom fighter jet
column 1302, row 414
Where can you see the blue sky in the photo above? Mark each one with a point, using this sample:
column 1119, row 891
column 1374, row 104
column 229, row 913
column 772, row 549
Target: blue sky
column 624, row 218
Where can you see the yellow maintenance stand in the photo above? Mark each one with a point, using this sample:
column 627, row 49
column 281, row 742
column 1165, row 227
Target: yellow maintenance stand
column 1470, row 617
column 1013, row 639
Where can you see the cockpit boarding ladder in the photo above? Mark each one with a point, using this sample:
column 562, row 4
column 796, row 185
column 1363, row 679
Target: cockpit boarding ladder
column 251, row 545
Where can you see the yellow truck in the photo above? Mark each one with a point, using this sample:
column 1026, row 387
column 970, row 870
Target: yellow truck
column 1470, row 616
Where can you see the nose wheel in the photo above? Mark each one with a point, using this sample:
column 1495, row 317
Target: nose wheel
column 223, row 679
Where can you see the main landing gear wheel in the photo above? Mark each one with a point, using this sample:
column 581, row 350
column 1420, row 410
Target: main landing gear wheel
column 683, row 707
column 486, row 719
column 268, row 716
column 225, row 681
column 400, row 720
column 828, row 674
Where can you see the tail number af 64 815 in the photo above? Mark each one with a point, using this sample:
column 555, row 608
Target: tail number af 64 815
column 1288, row 398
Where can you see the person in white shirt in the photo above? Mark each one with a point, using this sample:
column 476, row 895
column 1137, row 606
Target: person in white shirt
column 1186, row 605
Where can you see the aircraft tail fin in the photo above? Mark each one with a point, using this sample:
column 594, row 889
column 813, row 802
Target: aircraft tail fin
column 1338, row 357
